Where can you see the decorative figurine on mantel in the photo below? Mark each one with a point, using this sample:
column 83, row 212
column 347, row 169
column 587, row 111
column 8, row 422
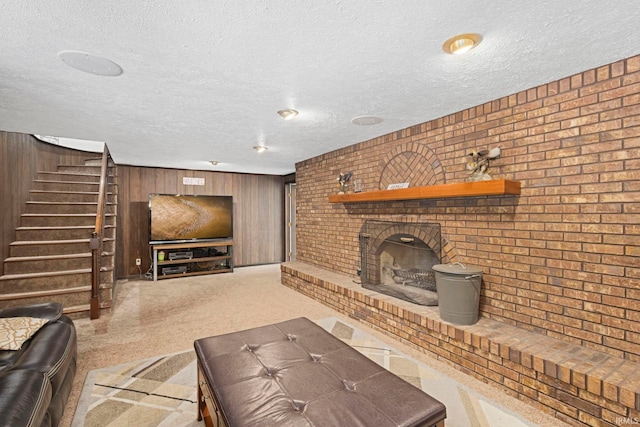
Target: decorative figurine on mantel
column 343, row 178
column 478, row 165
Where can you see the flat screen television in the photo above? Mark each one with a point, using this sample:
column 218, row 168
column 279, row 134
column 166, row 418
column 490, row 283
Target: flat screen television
column 178, row 218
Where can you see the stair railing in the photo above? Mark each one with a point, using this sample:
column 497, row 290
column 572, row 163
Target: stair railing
column 97, row 236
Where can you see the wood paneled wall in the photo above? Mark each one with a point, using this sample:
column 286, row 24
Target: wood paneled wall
column 258, row 203
column 21, row 157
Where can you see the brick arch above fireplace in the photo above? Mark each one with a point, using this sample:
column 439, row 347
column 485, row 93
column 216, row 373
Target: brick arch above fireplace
column 428, row 233
column 416, row 164
column 434, row 239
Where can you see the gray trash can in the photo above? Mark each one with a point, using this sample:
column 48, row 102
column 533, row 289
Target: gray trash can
column 458, row 288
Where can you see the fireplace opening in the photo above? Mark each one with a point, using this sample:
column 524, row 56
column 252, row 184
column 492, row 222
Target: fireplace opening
column 396, row 259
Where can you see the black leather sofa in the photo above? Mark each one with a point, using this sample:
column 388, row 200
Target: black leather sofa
column 35, row 381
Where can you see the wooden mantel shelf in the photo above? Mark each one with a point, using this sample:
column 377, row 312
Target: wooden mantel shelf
column 495, row 187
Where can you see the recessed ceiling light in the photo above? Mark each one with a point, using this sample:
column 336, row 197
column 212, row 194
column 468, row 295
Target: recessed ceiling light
column 260, row 148
column 366, row 120
column 288, row 114
column 90, row 63
column 214, row 162
column 461, row 43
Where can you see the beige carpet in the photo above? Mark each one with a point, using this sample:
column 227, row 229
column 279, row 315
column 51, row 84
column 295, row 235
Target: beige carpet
column 165, row 317
column 161, row 391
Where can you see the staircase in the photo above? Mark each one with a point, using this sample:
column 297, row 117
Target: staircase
column 51, row 259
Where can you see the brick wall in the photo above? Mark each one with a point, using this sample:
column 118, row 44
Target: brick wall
column 563, row 258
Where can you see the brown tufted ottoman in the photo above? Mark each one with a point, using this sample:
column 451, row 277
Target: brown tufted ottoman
column 294, row 373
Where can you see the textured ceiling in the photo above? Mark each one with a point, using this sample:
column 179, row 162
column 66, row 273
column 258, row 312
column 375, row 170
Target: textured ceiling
column 203, row 80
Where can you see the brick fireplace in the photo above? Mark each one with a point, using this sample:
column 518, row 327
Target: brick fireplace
column 396, row 259
column 561, row 260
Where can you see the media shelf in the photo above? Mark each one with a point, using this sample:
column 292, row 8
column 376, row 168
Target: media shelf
column 192, row 259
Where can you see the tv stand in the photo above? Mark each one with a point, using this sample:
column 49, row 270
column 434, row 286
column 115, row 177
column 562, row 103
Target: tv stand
column 192, row 259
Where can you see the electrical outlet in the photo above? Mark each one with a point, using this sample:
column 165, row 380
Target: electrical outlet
column 138, row 261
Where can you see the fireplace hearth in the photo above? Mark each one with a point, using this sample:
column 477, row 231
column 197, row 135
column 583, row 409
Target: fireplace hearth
column 396, row 259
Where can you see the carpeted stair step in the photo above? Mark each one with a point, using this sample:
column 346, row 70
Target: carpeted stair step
column 49, row 263
column 62, row 220
column 35, row 207
column 29, row 282
column 77, row 311
column 89, row 175
column 68, row 176
column 52, row 263
column 60, row 233
column 87, row 169
column 83, row 311
column 68, row 196
column 93, row 162
column 54, row 247
column 67, row 297
column 66, row 186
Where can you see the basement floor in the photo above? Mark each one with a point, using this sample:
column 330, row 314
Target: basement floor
column 153, row 318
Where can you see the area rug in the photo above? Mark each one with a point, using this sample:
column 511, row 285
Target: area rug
column 161, row 391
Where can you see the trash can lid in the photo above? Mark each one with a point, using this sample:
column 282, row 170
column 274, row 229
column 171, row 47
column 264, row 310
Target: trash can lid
column 457, row 268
